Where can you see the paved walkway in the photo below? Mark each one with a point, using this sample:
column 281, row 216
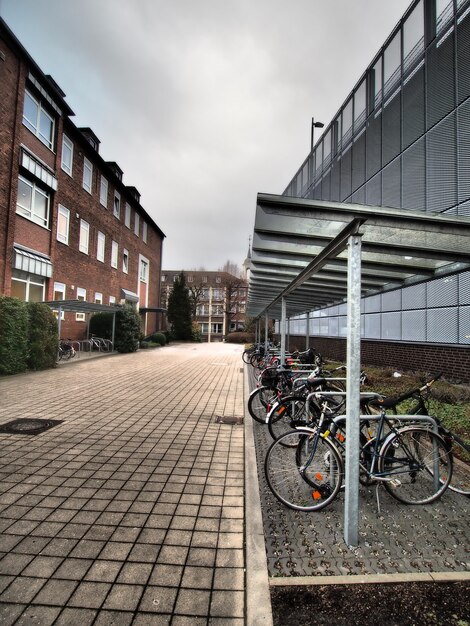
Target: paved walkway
column 131, row 510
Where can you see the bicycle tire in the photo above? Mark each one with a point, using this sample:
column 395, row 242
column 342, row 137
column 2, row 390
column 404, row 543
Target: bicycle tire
column 309, row 488
column 259, row 402
column 288, row 413
column 410, row 457
column 246, row 355
column 460, row 481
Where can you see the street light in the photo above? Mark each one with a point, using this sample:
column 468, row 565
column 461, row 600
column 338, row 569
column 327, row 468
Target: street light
column 314, row 125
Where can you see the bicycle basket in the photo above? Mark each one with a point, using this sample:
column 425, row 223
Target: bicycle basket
column 269, row 377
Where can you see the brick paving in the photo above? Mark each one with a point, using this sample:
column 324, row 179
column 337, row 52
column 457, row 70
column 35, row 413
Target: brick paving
column 131, row 510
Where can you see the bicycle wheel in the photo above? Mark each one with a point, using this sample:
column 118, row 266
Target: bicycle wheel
column 260, row 402
column 246, row 355
column 417, row 464
column 460, row 481
column 288, row 413
column 303, row 478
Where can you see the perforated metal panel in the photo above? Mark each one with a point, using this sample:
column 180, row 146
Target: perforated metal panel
column 464, row 288
column 463, row 140
column 359, row 162
column 391, row 325
column 441, row 166
column 391, row 133
column 372, row 304
column 463, row 60
column 374, row 190
column 359, row 196
column 442, row 325
column 325, row 187
column 413, row 121
column 346, row 174
column 439, row 80
column 391, row 300
column 414, row 177
column 334, row 327
column 372, row 326
column 464, row 325
column 391, row 184
column 442, row 292
column 414, row 297
column 335, row 189
column 373, row 145
column 342, row 325
column 414, row 325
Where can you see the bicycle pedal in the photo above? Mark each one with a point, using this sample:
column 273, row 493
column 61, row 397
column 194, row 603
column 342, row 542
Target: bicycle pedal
column 395, row 482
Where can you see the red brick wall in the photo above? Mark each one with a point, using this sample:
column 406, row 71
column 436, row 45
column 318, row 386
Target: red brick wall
column 453, row 361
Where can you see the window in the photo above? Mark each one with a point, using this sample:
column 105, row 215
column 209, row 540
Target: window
column 117, row 205
column 218, row 279
column 63, row 222
column 125, row 261
column 32, row 202
column 100, row 246
column 127, row 217
column 144, row 269
column 114, row 254
column 67, row 155
column 144, row 232
column 98, row 297
column 136, row 224
column 27, row 286
column 112, row 300
column 38, row 120
column 87, row 175
column 84, row 236
column 59, row 294
column 81, row 295
column 104, row 191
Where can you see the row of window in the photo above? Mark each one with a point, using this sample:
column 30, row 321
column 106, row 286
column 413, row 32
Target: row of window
column 42, row 124
column 218, row 309
column 190, row 279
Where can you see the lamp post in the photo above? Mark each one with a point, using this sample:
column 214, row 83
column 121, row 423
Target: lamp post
column 314, row 125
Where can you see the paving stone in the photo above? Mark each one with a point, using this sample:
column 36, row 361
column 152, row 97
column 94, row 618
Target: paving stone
column 90, row 595
column 158, row 599
column 123, row 597
column 41, row 615
column 192, row 602
column 22, row 590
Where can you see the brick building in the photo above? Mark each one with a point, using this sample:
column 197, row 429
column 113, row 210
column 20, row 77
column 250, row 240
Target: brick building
column 70, row 229
column 218, row 300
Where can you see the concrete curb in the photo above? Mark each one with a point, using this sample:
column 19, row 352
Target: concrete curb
column 258, row 598
column 434, row 577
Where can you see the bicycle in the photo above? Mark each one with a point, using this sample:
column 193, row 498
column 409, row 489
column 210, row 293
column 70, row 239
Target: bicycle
column 459, row 449
column 304, row 468
column 66, row 350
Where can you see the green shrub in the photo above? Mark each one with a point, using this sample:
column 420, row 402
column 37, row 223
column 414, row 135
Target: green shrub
column 13, row 335
column 42, row 337
column 156, row 338
column 128, row 331
column 196, row 332
column 101, row 325
column 149, row 344
column 240, row 337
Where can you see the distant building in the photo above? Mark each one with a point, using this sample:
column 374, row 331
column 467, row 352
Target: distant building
column 218, row 300
column 70, row 229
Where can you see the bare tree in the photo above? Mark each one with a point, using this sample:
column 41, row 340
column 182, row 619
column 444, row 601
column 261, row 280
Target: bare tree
column 235, row 293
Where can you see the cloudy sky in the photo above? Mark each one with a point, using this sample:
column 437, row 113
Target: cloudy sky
column 203, row 103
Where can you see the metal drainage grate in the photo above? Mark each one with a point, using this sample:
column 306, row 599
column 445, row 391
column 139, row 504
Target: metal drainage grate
column 228, row 419
column 27, row 426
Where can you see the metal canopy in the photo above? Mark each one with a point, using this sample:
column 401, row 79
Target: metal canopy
column 299, row 251
column 80, row 306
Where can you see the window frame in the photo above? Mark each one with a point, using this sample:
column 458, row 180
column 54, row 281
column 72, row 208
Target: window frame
column 125, row 261
column 84, row 242
column 67, row 143
column 87, row 167
column 29, row 213
column 81, row 295
column 104, row 196
column 144, row 231
column 136, row 224
column 100, row 246
column 28, row 280
column 114, row 254
column 127, row 216
column 34, row 126
column 65, row 213
column 117, row 205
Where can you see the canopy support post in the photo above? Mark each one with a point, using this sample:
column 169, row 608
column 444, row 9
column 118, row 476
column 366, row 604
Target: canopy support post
column 283, row 330
column 266, row 340
column 353, row 363
column 307, row 331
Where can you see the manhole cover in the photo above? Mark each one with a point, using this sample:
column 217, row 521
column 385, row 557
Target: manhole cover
column 228, row 419
column 25, row 426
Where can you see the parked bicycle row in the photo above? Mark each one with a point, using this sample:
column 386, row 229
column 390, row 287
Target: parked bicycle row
column 68, row 348
column 412, row 454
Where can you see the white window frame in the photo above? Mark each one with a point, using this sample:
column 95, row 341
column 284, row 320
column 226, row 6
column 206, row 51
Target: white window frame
column 117, row 204
column 104, row 191
column 114, row 254
column 136, row 223
column 127, row 216
column 125, row 261
column 87, row 181
column 63, row 213
column 28, row 280
column 60, row 288
column 34, row 125
column 67, row 164
column 112, row 300
column 143, row 265
column 100, row 246
column 29, row 212
column 81, row 295
column 144, row 231
column 84, row 241
column 98, row 297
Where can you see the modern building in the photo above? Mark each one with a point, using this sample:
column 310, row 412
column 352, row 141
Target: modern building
column 401, row 139
column 70, row 229
column 218, row 300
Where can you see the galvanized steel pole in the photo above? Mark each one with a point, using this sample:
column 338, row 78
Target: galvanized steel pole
column 353, row 362
column 283, row 330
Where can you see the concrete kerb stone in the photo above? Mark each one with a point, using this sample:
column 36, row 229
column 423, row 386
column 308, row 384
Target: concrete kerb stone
column 419, row 577
column 258, row 598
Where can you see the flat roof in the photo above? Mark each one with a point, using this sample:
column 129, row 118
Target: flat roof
column 299, row 251
column 79, row 306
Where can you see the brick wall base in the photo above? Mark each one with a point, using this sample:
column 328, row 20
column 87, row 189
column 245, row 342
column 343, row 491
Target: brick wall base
column 453, row 361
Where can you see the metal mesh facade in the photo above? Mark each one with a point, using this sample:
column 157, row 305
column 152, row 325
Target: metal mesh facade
column 402, row 140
